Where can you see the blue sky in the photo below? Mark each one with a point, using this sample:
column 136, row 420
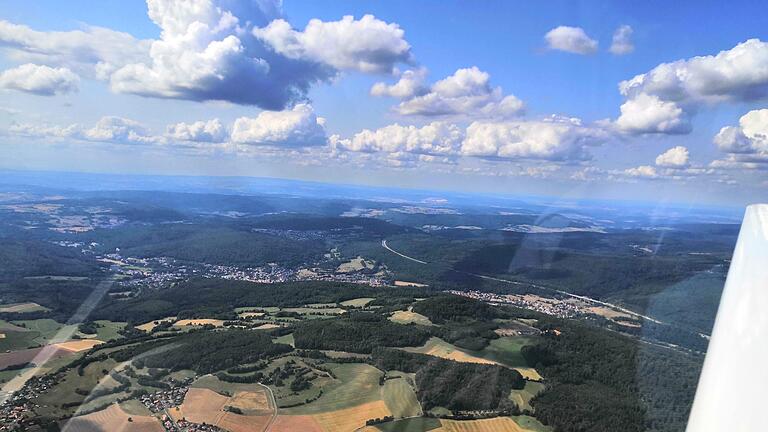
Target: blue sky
column 54, row 98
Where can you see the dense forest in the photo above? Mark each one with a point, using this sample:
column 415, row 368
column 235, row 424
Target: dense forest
column 603, row 381
column 217, row 243
column 358, row 332
column 211, row 351
column 453, row 385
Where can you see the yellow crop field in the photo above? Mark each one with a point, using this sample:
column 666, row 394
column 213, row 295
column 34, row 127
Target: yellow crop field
column 440, row 348
column 199, row 322
column 148, row 326
column 251, row 401
column 201, row 406
column 295, row 423
column 349, row 419
column 79, row 344
column 113, row 419
column 499, row 424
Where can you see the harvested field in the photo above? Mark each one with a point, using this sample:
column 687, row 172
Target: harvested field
column 243, row 423
column 295, row 423
column 79, row 344
column 199, row 322
column 206, row 406
column 251, row 314
column 529, row 373
column 440, row 348
column 113, row 419
column 201, row 406
column 251, row 401
column 349, row 419
column 23, row 307
column 148, row 326
column 267, row 326
column 499, row 424
column 409, row 284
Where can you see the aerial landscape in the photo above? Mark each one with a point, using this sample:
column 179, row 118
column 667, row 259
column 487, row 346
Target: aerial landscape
column 401, row 216
column 289, row 311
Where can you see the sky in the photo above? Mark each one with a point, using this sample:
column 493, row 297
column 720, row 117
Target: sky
column 654, row 100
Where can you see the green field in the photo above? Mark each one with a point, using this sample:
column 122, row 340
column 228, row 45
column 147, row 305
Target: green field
column 286, row 339
column 358, row 302
column 522, row 398
column 47, row 329
column 50, row 403
column 400, row 396
column 355, row 384
column 16, row 340
column 134, row 407
column 108, row 330
column 506, row 350
column 530, row 423
column 418, row 424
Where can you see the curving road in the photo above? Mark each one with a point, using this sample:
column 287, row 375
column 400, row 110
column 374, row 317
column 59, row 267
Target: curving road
column 533, row 285
column 384, row 244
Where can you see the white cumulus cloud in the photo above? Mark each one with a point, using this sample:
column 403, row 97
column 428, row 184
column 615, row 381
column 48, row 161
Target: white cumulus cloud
column 645, row 171
column 749, row 140
column 410, row 84
column 676, row 157
column 211, row 131
column 650, row 114
column 39, row 79
column 366, row 45
column 570, row 39
column 556, row 139
column 467, row 93
column 738, row 74
column 297, row 127
column 663, row 99
column 622, row 41
column 436, row 138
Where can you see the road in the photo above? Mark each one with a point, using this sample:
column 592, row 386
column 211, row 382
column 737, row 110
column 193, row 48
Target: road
column 540, row 287
column 384, row 244
column 274, row 404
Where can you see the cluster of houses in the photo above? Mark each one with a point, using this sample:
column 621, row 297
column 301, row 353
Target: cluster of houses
column 162, row 400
